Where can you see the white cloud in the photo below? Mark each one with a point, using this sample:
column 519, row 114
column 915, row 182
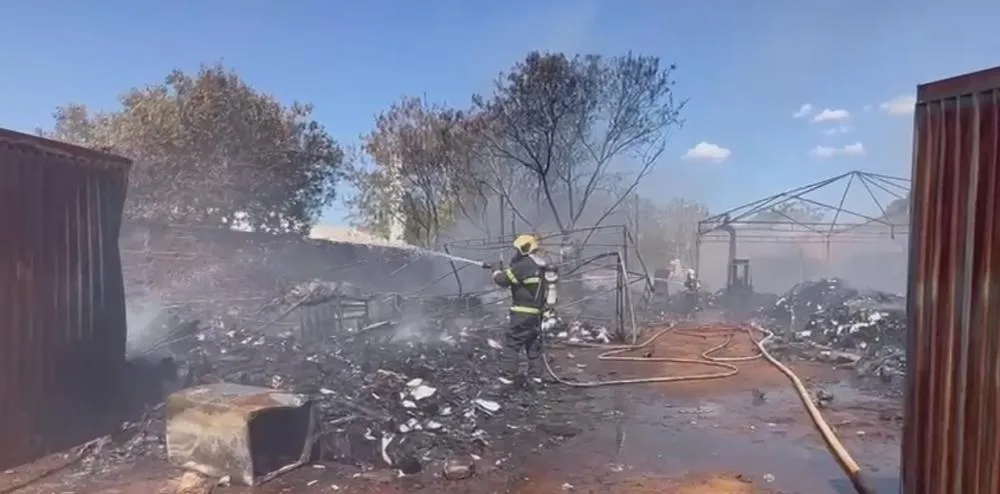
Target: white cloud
column 804, row 110
column 900, row 105
column 856, row 149
column 823, row 151
column 840, row 129
column 706, row 151
column 828, row 115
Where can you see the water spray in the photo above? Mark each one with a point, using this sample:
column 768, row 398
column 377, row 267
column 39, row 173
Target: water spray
column 453, row 257
column 418, row 250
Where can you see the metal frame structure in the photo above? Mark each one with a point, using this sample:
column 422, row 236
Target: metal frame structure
column 619, row 251
column 845, row 222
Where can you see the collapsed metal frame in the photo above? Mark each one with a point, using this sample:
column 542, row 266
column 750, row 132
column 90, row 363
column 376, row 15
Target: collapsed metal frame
column 621, row 250
column 887, row 223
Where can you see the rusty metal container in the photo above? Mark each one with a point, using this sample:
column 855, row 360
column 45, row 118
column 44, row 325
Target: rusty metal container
column 951, row 441
column 247, row 433
column 62, row 305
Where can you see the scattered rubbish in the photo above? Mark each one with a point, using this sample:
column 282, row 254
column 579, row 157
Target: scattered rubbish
column 422, row 391
column 584, row 332
column 487, row 406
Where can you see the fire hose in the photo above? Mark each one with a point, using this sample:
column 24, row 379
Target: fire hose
column 709, row 359
column 614, row 353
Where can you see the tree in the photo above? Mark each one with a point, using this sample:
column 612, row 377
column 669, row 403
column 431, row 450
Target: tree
column 581, row 126
column 500, row 186
column 420, row 172
column 211, row 150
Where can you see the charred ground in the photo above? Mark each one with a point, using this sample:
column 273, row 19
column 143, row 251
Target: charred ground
column 415, row 405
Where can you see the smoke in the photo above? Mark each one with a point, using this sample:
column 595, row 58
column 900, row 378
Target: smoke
column 869, row 257
column 801, row 237
column 780, row 260
column 146, row 306
column 142, row 317
column 185, row 274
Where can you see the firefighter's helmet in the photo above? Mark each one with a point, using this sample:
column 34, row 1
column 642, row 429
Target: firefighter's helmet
column 526, row 244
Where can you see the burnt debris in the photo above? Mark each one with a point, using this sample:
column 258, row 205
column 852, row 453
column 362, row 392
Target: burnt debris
column 396, row 394
column 830, row 321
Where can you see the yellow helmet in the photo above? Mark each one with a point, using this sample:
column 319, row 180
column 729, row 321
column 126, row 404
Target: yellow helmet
column 526, row 244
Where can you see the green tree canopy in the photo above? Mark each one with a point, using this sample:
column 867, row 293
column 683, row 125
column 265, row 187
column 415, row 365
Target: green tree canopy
column 209, row 149
column 419, row 171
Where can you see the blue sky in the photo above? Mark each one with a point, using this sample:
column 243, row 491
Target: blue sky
column 747, row 67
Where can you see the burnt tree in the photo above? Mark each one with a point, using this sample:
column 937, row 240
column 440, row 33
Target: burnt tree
column 581, row 127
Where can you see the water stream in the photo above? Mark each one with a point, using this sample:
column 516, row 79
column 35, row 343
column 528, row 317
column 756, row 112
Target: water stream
column 413, row 248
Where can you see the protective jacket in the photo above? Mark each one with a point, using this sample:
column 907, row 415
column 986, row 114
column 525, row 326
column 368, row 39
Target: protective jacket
column 525, row 278
column 692, row 285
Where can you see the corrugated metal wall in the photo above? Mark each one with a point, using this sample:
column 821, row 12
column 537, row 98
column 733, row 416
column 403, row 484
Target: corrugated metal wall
column 62, row 307
column 951, row 441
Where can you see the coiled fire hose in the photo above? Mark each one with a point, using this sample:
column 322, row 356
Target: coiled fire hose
column 708, row 359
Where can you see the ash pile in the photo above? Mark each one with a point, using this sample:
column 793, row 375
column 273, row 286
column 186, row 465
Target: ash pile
column 422, row 388
column 829, row 320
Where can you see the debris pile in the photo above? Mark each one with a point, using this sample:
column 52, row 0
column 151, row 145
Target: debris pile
column 387, row 395
column 865, row 322
column 317, row 291
column 794, row 308
column 828, row 320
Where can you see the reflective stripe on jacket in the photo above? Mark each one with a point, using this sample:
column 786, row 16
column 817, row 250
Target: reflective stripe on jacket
column 524, row 278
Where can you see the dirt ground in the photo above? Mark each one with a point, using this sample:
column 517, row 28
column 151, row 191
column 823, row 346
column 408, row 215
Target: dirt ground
column 743, row 434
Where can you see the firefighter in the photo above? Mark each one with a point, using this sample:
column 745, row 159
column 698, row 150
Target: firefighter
column 525, row 276
column 691, row 281
column 692, row 286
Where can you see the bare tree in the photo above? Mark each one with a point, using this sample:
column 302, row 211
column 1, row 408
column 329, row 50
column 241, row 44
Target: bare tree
column 580, row 126
column 501, row 185
column 419, row 174
column 209, row 149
